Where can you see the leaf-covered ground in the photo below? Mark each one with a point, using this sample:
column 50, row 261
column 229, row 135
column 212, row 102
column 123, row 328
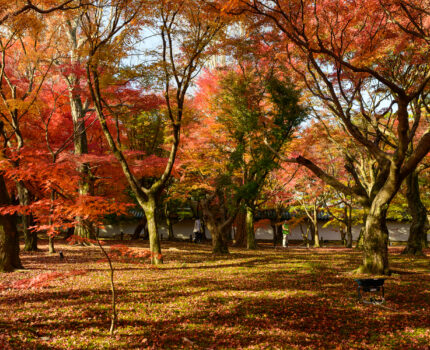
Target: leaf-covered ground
column 266, row 299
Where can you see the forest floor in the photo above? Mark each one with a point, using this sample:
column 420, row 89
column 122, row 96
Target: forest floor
column 293, row 298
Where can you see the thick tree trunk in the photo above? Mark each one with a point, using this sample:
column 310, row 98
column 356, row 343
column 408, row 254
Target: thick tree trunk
column 219, row 239
column 149, row 208
column 9, row 245
column 417, row 240
column 375, row 245
column 375, row 238
column 240, row 235
column 30, row 237
column 9, row 239
column 250, row 233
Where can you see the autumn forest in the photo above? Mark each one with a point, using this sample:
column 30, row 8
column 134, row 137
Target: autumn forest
column 236, row 117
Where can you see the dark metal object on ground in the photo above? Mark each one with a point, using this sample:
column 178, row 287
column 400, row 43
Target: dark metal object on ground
column 371, row 285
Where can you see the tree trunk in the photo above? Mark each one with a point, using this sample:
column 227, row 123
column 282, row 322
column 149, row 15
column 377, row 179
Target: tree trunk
column 170, row 235
column 219, row 237
column 375, row 238
column 240, row 236
column 342, row 235
column 50, row 236
column 78, row 111
column 154, row 238
column 51, row 247
column 417, row 240
column 30, row 237
column 9, row 239
column 83, row 227
column 277, row 233
column 9, row 245
column 203, row 228
column 375, row 245
column 349, row 228
column 315, row 235
column 219, row 240
column 250, row 233
column 349, row 236
column 141, row 226
column 360, row 239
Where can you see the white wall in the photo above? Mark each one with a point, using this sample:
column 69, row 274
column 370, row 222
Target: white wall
column 398, row 232
column 183, row 229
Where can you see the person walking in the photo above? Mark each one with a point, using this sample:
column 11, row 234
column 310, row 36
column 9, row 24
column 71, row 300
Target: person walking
column 285, row 234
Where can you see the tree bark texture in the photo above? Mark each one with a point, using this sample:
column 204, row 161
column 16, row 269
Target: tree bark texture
column 250, row 233
column 219, row 239
column 219, row 234
column 30, row 237
column 169, row 224
column 154, row 239
column 375, row 238
column 78, row 112
column 51, row 246
column 240, row 234
column 277, row 233
column 315, row 235
column 419, row 228
column 349, row 228
column 9, row 239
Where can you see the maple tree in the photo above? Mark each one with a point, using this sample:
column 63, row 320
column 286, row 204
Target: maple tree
column 326, row 144
column 353, row 58
column 240, row 111
column 22, row 73
column 43, row 166
column 15, row 19
column 73, row 72
column 361, row 66
column 177, row 24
